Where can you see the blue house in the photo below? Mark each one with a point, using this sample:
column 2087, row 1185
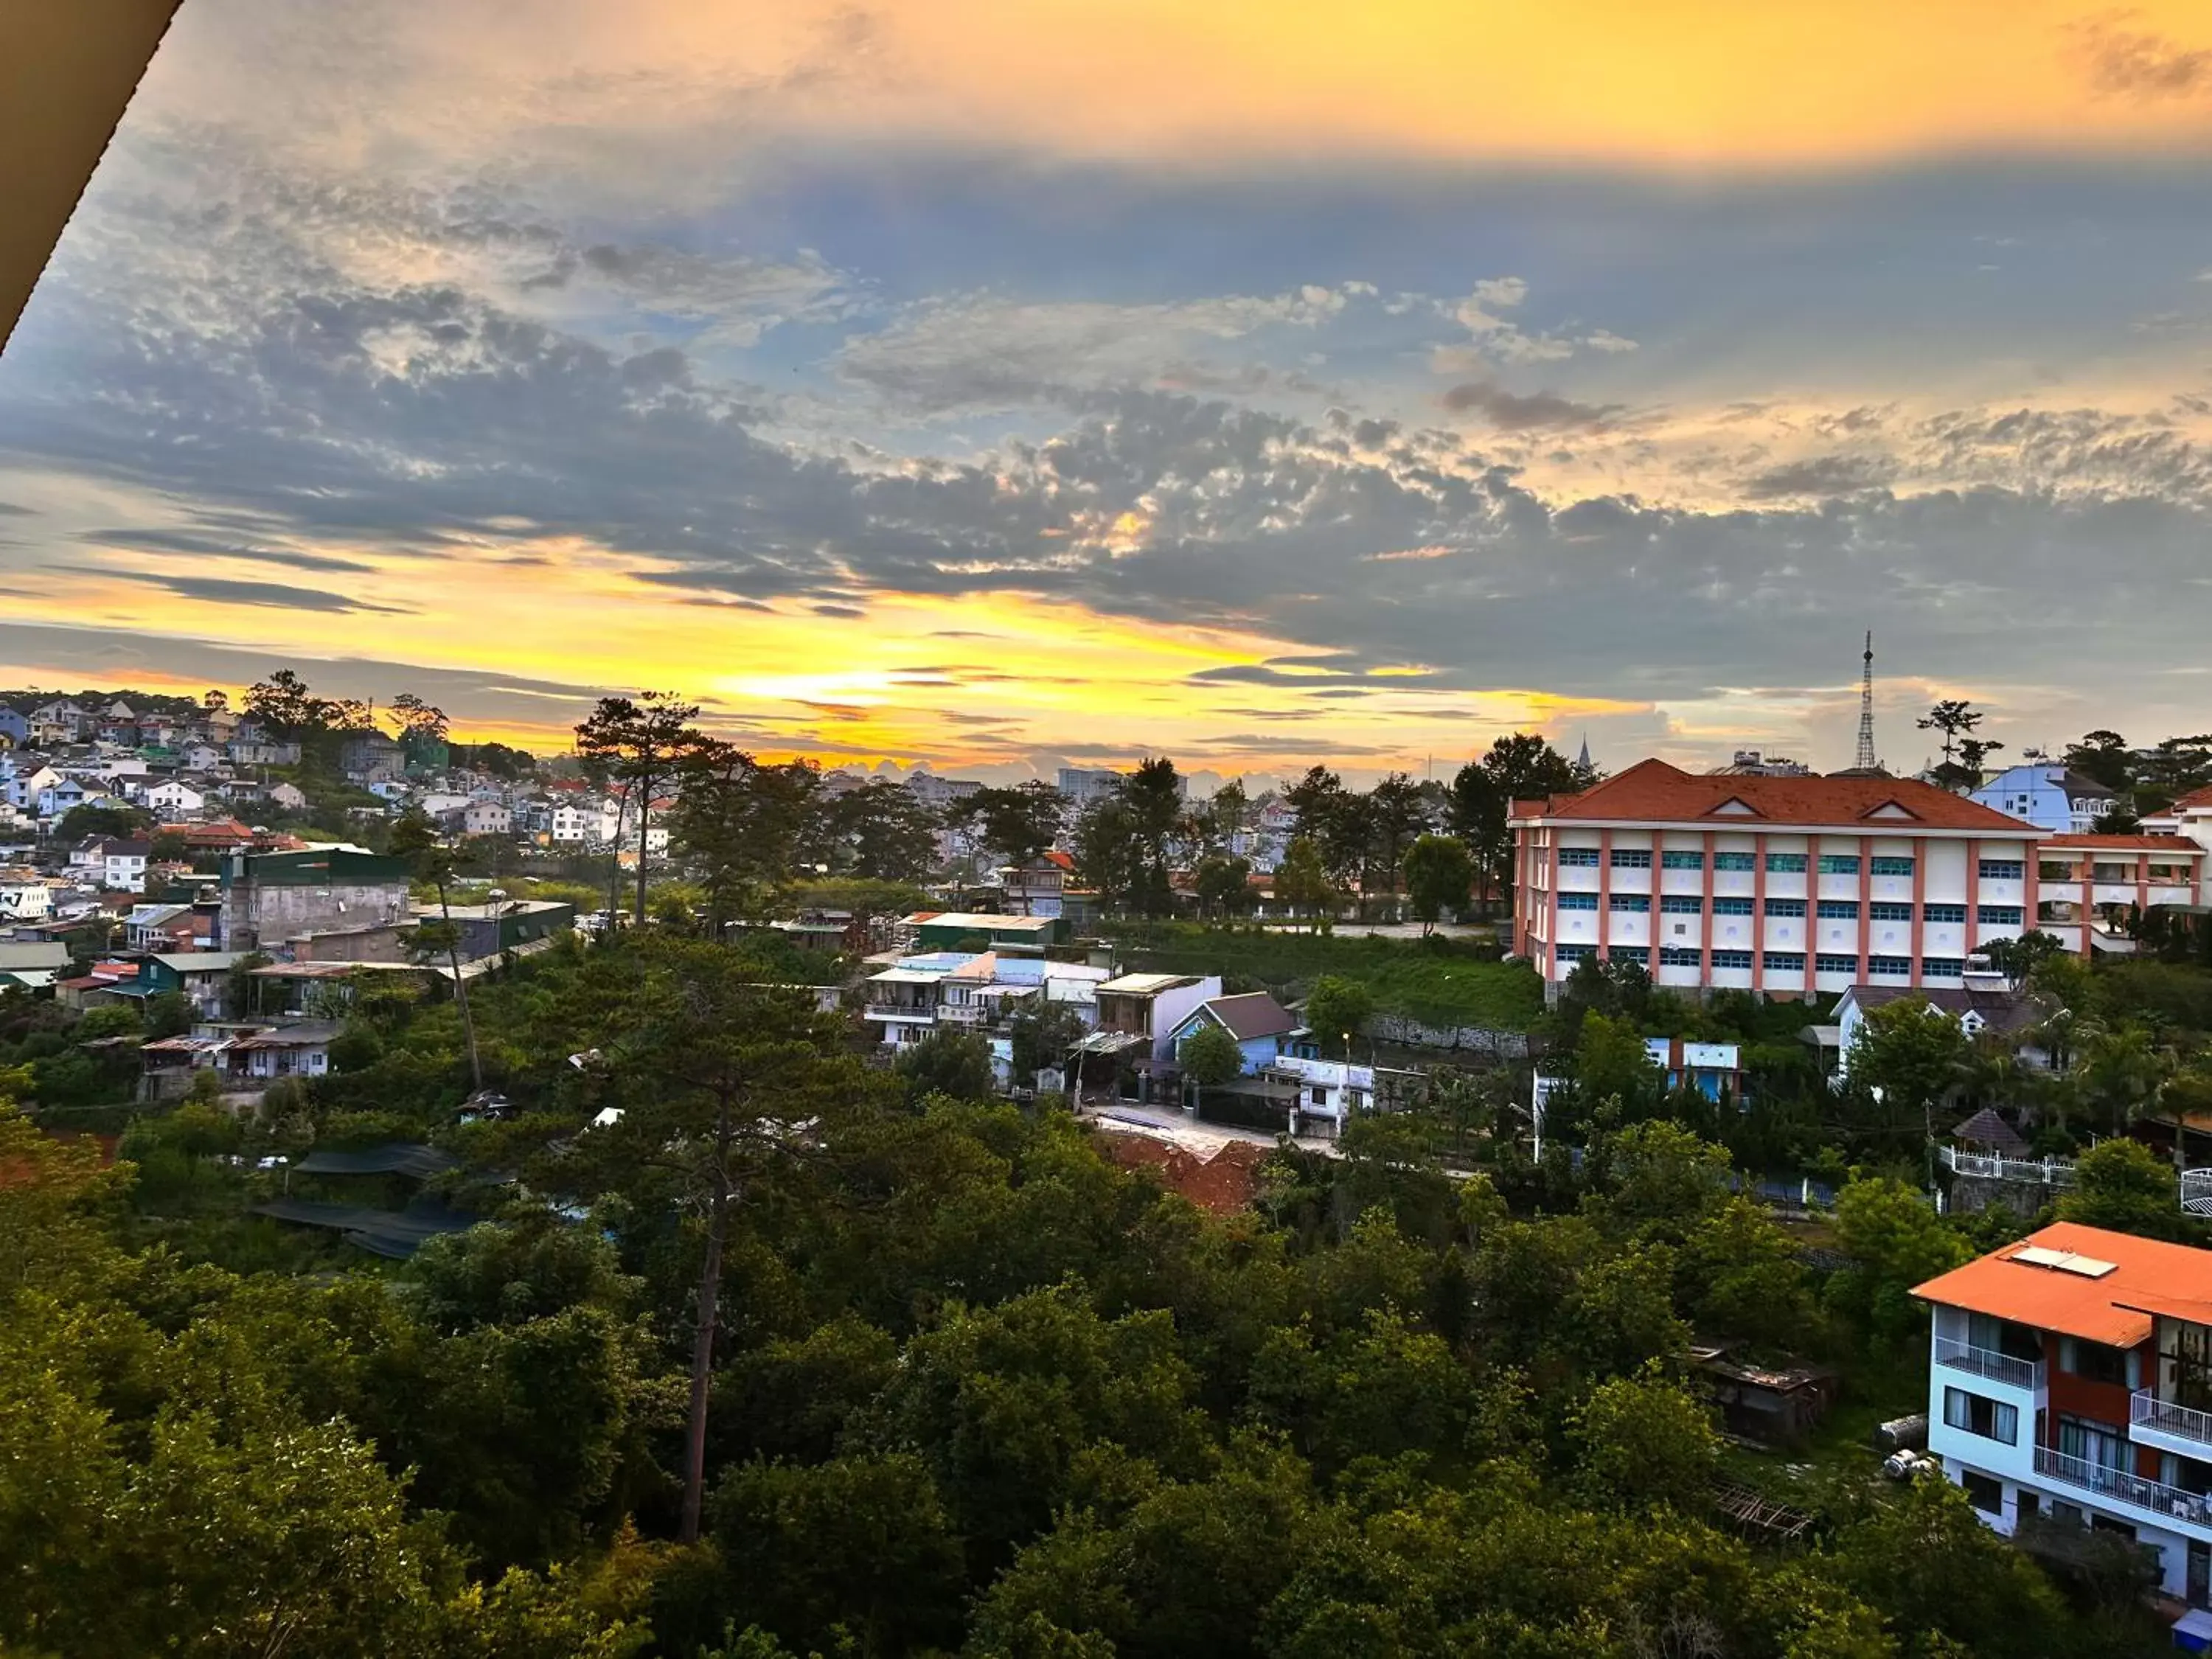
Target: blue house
column 2053, row 798
column 15, row 730
column 1261, row 1026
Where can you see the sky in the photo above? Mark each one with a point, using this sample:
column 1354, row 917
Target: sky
column 999, row 386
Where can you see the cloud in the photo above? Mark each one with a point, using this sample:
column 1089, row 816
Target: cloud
column 1821, row 476
column 173, row 543
column 2130, row 63
column 852, row 611
column 1511, row 412
column 216, row 590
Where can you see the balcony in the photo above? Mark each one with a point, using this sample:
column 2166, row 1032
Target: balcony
column 1988, row 1364
column 2172, row 1420
column 2118, row 1487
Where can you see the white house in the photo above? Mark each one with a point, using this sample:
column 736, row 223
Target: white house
column 202, row 757
column 2067, row 1383
column 123, row 866
column 487, row 817
column 2053, row 797
column 572, row 822
column 289, row 796
column 172, row 796
column 1792, row 886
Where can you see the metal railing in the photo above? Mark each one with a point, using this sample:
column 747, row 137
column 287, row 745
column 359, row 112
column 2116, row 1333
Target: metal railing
column 1988, row 1363
column 2148, row 1411
column 2121, row 1487
column 2197, row 1191
column 2047, row 1171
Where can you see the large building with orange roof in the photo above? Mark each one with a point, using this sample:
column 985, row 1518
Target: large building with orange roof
column 1788, row 886
column 2071, row 1380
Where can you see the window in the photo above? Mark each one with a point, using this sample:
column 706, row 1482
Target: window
column 1827, row 964
column 1732, row 961
column 2092, row 1362
column 1889, row 967
column 1839, row 864
column 1578, row 901
column 1889, row 912
column 1942, row 968
column 2002, row 869
column 2048, row 869
column 1785, row 906
column 1785, row 864
column 2092, row 1443
column 1891, row 866
column 1839, row 909
column 1682, row 904
column 2112, row 873
column 1635, row 904
column 1731, row 907
column 1674, row 956
column 1983, row 1492
column 1579, row 858
column 1785, row 961
column 1943, row 912
column 1998, row 915
column 1734, row 861
column 2169, row 873
column 1632, row 858
column 1682, row 860
column 1573, row 953
column 1990, row 1419
column 1638, row 954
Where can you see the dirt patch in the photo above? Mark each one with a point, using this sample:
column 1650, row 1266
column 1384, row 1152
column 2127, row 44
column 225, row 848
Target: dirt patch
column 1224, row 1181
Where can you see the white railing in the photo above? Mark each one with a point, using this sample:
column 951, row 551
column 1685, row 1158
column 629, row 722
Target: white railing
column 2148, row 1411
column 2048, row 1171
column 1989, row 1363
column 2120, row 1486
column 2197, row 1191
column 963, row 1013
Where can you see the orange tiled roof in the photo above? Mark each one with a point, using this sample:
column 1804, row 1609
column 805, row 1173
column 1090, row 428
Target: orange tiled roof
column 2130, row 843
column 1653, row 791
column 2195, row 797
column 2110, row 1309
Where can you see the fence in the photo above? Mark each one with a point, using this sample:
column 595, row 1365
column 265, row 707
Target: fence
column 2049, row 1171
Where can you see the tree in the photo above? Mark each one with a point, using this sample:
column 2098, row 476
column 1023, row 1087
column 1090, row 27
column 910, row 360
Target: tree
column 1611, row 1062
column 2104, row 755
column 1224, row 885
column 283, row 704
column 80, row 822
column 1643, row 1440
column 1438, row 873
column 1338, row 1010
column 720, row 1081
column 1105, row 850
column 169, row 847
column 1210, row 1057
column 746, row 828
column 954, row 1064
column 1519, row 766
column 1227, row 815
column 2017, row 959
column 1152, row 795
column 1896, row 1241
column 1300, row 880
column 1956, row 720
column 1916, row 1054
column 641, row 744
column 1393, row 814
column 1330, row 820
column 415, row 839
column 886, row 831
column 1018, row 824
column 416, row 720
column 1040, row 1034
column 2123, row 1185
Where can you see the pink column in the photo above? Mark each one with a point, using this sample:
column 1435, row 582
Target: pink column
column 1919, row 904
column 1708, row 922
column 1605, row 895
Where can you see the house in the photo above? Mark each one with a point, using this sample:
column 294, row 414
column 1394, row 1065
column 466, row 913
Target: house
column 367, row 756
column 1260, row 1025
column 2071, row 1381
column 262, row 752
column 905, row 999
column 486, row 817
column 201, row 757
column 32, row 965
column 572, row 822
column 2056, row 799
column 1322, row 1095
column 2086, row 886
column 152, row 926
column 63, row 796
column 28, row 779
column 123, row 865
column 271, row 900
column 1153, row 1007
column 173, row 798
column 289, row 796
column 951, row 930
column 1714, row 1070
column 14, row 728
column 1775, row 1405
column 1035, row 888
column 203, row 977
column 1983, row 1006
column 488, row 930
column 2190, row 817
column 1792, row 886
column 301, row 1050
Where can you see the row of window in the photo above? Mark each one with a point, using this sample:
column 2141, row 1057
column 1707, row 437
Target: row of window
column 1831, row 863
column 1773, row 962
column 1690, row 904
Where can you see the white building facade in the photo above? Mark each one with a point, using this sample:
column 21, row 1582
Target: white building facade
column 1786, row 886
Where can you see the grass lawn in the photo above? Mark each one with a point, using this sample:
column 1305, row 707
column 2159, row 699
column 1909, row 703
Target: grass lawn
column 1437, row 981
